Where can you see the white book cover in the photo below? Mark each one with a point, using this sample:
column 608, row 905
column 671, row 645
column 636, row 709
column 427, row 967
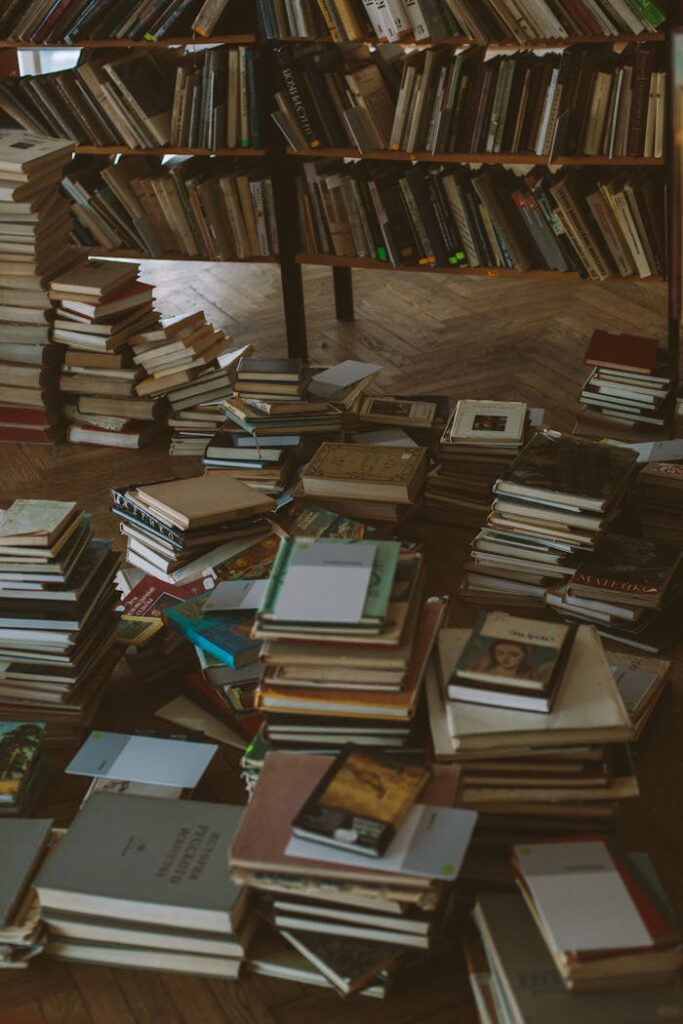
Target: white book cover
column 146, row 759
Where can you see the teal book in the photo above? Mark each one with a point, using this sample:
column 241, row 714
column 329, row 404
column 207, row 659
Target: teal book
column 225, row 635
column 379, row 590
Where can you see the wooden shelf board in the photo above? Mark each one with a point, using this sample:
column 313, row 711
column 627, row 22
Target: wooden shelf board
column 534, row 44
column 164, row 151
column 313, row 259
column 101, row 44
column 132, row 254
column 524, row 159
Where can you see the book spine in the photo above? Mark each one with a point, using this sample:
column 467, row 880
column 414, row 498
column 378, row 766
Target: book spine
column 642, row 73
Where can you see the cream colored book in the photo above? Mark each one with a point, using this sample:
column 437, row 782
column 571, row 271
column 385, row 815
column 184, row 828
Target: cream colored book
column 35, row 523
column 588, row 710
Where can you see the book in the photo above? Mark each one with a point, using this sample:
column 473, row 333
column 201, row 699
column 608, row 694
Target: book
column 516, row 952
column 357, row 471
column 622, row 352
column 360, row 802
column 203, row 501
column 397, row 411
column 24, row 841
column 142, row 759
column 146, row 860
column 511, row 662
column 33, row 523
column 494, row 423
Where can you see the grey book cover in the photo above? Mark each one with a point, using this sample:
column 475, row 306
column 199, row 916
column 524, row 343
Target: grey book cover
column 533, row 985
column 22, row 841
column 146, row 859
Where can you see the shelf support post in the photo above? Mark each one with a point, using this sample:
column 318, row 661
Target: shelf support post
column 343, row 293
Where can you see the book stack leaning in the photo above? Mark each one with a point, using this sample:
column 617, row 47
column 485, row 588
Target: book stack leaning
column 34, row 244
column 273, row 424
column 101, row 304
column 549, row 511
column 58, row 624
column 180, row 530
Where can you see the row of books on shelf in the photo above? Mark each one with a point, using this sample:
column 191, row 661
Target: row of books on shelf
column 207, row 99
column 73, row 21
column 184, row 206
column 491, row 20
column 607, row 226
column 582, row 101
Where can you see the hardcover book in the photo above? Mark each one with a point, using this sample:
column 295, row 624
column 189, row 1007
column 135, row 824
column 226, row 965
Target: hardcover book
column 23, row 842
column 622, row 352
column 350, row 470
column 20, row 745
column 35, row 523
column 398, row 411
column 628, row 570
column 506, row 650
column 360, row 802
column 227, row 636
column 148, row 860
column 494, row 423
column 587, row 474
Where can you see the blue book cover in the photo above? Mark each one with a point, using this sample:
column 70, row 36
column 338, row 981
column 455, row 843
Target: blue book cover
column 225, row 635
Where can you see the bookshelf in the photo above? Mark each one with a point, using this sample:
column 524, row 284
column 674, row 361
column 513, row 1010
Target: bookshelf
column 283, row 165
column 343, row 266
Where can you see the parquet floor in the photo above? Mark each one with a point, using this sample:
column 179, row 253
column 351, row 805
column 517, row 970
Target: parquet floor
column 467, row 338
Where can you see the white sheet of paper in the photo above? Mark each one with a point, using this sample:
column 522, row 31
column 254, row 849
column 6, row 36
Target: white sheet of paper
column 655, row 451
column 236, row 595
column 334, row 593
column 160, row 762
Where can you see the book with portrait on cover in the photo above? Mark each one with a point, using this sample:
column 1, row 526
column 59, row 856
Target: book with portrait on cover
column 360, row 802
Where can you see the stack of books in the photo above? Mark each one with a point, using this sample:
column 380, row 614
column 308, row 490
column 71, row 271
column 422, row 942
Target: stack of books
column 162, row 902
column 196, row 412
column 550, row 509
column 661, row 502
column 57, row 619
column 611, row 226
column 511, row 662
column 144, row 99
column 179, row 354
column 507, row 948
column 641, row 682
column 274, row 424
column 638, row 942
column 100, row 305
column 22, row 766
column 630, row 388
column 479, row 442
column 34, row 244
column 630, row 590
column 31, row 22
column 348, row 899
column 346, row 662
column 22, row 933
column 177, row 530
column 367, row 482
column 215, row 208
column 531, row 774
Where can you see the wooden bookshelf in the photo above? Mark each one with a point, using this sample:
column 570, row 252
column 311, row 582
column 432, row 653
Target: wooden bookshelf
column 133, row 254
column 522, row 159
column 357, row 263
column 164, row 151
column 106, row 44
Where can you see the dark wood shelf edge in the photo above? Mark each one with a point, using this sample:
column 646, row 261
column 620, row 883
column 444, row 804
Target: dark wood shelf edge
column 107, row 44
column 522, row 159
column 533, row 44
column 131, row 254
column 164, row 151
column 312, row 259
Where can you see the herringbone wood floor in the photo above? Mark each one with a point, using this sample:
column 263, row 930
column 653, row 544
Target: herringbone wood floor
column 473, row 338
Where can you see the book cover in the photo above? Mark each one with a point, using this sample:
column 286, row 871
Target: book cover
column 20, row 745
column 22, row 842
column 360, row 802
column 364, row 463
column 622, row 352
column 553, row 463
column 226, row 636
column 487, row 422
column 511, row 651
column 626, row 567
column 35, row 523
column 148, row 860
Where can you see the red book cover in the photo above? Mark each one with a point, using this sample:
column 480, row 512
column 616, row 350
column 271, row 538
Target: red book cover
column 151, row 597
column 622, row 352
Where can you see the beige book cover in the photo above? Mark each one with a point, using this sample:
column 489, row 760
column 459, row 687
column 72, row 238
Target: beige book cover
column 367, row 463
column 35, row 523
column 204, row 500
column 96, row 279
